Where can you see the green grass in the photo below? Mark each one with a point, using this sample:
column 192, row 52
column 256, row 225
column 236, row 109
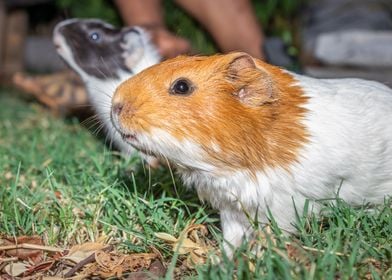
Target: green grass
column 59, row 181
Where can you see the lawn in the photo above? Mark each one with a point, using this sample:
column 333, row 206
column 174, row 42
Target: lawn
column 60, row 181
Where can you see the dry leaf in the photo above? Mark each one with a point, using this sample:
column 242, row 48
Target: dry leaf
column 115, row 264
column 192, row 242
column 297, row 254
column 139, row 275
column 166, row 237
column 108, row 261
column 79, row 252
column 58, row 195
column 45, row 266
column 157, row 268
column 87, row 247
column 34, row 255
column 135, row 262
column 15, row 269
column 186, row 246
column 5, row 276
column 94, row 259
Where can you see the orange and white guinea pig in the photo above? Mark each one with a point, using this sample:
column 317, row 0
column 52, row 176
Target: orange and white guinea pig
column 253, row 138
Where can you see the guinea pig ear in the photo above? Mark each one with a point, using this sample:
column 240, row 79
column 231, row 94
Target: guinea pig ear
column 253, row 85
column 132, row 45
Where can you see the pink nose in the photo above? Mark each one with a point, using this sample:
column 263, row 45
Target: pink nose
column 117, row 108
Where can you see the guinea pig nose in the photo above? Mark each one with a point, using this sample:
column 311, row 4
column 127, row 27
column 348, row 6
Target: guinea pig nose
column 135, row 30
column 117, row 108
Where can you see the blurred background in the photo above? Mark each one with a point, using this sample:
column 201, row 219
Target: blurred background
column 26, row 27
column 325, row 38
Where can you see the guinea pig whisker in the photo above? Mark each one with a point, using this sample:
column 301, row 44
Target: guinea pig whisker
column 149, row 175
column 91, row 123
column 81, row 106
column 98, row 129
column 113, row 133
column 109, row 138
column 114, row 85
column 119, row 66
column 111, row 143
column 94, row 118
column 115, row 62
column 102, row 102
column 172, row 177
column 102, row 73
column 100, row 91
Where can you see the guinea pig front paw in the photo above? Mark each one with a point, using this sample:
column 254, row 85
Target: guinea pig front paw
column 235, row 227
column 151, row 161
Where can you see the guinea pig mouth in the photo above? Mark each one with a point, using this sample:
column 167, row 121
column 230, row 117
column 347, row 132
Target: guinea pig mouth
column 57, row 42
column 132, row 140
column 129, row 137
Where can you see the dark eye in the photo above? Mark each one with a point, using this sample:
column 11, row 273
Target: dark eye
column 95, row 36
column 182, row 87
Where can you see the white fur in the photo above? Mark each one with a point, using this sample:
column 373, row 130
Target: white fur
column 349, row 155
column 100, row 92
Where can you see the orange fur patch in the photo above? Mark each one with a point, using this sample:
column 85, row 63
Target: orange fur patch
column 253, row 116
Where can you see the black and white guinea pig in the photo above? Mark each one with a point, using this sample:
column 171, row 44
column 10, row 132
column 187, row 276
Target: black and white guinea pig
column 104, row 56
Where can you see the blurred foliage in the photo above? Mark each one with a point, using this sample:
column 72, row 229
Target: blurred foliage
column 276, row 16
column 102, row 9
column 183, row 25
column 279, row 18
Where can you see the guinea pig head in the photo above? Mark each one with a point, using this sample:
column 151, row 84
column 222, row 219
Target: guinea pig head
column 95, row 48
column 223, row 112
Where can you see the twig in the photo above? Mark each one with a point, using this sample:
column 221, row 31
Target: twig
column 31, row 247
column 85, row 261
column 3, row 260
column 316, row 250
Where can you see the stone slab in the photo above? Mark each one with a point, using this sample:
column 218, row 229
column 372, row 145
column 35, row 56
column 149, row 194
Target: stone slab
column 355, row 48
column 40, row 55
column 382, row 75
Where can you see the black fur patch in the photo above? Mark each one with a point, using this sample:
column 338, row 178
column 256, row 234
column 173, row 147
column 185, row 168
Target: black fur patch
column 100, row 58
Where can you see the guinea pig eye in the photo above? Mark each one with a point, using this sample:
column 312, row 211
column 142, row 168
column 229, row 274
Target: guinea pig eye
column 94, row 36
column 181, row 86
